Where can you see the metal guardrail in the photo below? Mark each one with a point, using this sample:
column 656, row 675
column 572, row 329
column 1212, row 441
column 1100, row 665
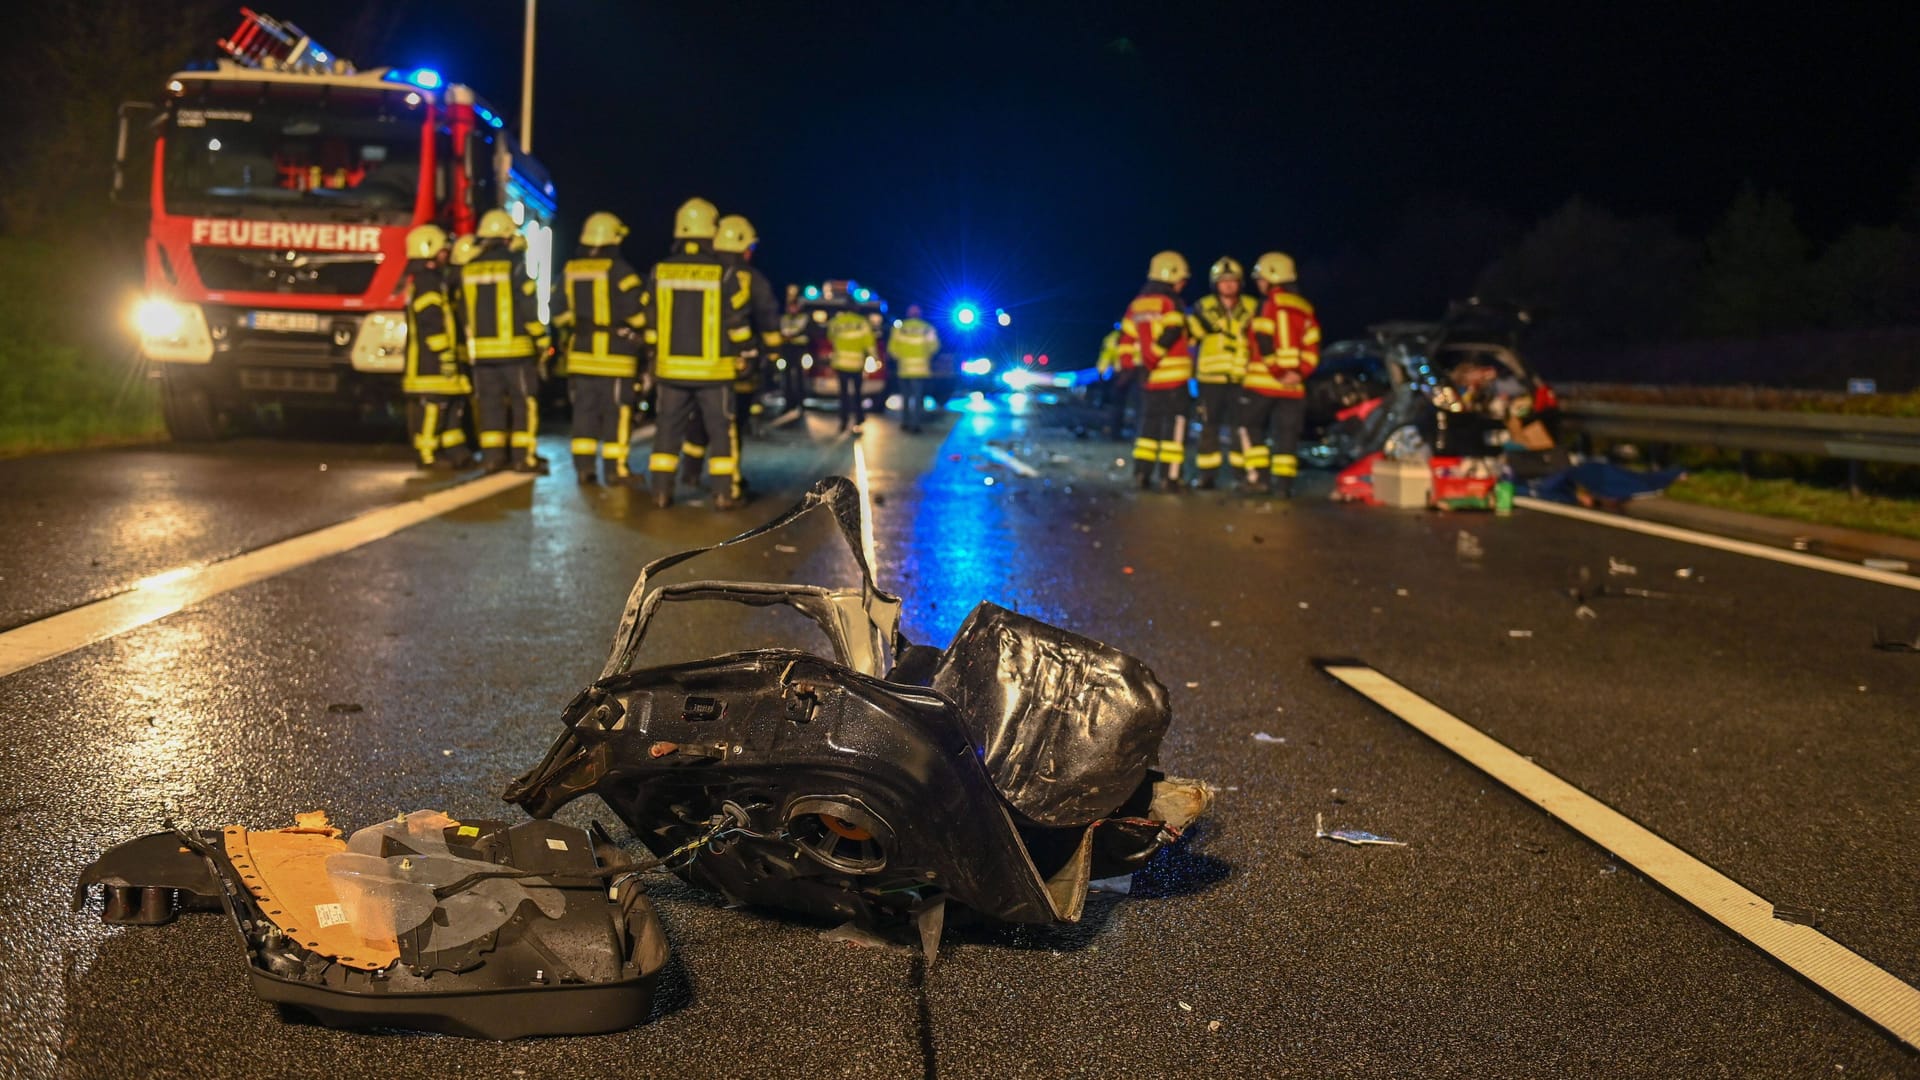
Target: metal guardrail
column 1892, row 439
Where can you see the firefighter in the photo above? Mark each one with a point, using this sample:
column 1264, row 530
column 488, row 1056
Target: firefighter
column 1221, row 322
column 435, row 382
column 603, row 355
column 911, row 347
column 735, row 241
column 1155, row 331
column 1273, row 397
column 506, row 335
column 697, row 326
column 850, row 336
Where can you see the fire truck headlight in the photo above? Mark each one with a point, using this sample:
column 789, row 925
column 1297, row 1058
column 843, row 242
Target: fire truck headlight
column 381, row 345
column 172, row 332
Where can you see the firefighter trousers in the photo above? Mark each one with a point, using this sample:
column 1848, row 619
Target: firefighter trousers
column 508, row 411
column 679, row 406
column 602, row 423
column 1269, row 436
column 746, row 406
column 853, row 406
column 1214, row 418
column 1122, row 389
column 1162, row 444
column 435, row 421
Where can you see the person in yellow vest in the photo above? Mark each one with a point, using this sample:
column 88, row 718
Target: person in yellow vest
column 1221, row 321
column 435, row 381
column 1273, row 396
column 1155, row 330
column 850, row 336
column 911, row 347
column 697, row 326
column 603, row 357
column 508, row 339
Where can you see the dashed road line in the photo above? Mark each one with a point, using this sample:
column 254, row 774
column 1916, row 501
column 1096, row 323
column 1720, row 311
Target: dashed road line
column 163, row 594
column 1859, row 983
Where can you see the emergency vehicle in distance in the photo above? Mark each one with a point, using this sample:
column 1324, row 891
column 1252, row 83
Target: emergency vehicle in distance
column 284, row 181
column 821, row 303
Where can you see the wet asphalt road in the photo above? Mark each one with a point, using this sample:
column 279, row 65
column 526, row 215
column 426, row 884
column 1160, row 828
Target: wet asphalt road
column 1746, row 719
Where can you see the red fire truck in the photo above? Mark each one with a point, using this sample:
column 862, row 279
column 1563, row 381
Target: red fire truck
column 284, row 181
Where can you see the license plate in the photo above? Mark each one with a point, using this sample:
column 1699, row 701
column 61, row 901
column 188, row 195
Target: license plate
column 284, row 322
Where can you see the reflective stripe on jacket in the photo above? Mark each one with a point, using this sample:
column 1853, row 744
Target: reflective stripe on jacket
column 1286, row 338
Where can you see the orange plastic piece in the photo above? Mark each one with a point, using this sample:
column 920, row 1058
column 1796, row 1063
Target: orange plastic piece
column 286, row 871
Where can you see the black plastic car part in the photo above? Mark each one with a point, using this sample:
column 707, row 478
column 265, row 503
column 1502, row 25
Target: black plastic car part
column 1002, row 774
column 484, row 929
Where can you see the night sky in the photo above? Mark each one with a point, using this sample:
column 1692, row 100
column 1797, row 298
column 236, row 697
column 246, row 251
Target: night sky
column 1033, row 155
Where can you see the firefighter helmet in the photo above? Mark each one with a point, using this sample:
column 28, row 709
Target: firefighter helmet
column 602, row 230
column 495, row 224
column 695, row 220
column 1275, row 268
column 1168, row 266
column 1226, row 266
column 465, row 247
column 426, row 241
column 735, row 234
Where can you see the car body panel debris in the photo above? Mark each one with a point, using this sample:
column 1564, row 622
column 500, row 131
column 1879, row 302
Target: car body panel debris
column 465, row 927
column 1356, row 837
column 875, row 780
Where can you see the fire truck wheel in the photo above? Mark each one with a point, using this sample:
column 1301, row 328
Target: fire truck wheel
column 189, row 413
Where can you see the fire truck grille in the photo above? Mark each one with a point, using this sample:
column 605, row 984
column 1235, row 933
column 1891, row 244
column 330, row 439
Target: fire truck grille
column 237, row 270
column 291, row 380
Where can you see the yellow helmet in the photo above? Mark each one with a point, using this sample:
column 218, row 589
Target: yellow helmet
column 602, row 230
column 1170, row 267
column 426, row 241
column 495, row 224
column 695, row 220
column 1275, row 268
column 735, row 234
column 465, row 247
column 1224, row 267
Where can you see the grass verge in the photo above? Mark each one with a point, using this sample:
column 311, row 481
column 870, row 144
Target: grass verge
column 1799, row 501
column 65, row 382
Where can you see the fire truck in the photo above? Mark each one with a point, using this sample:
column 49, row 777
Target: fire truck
column 284, row 180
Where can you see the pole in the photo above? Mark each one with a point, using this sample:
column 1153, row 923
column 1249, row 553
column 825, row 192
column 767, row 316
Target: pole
column 526, row 83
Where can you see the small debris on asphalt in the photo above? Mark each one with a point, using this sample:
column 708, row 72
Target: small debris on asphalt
column 1184, row 1007
column 1303, row 605
column 446, row 753
column 1519, row 633
column 1616, row 568
column 1903, row 639
column 323, row 466
column 1191, row 685
column 1356, row 837
column 1399, row 592
column 1261, row 736
column 346, row 707
column 1530, row 848
column 1126, row 569
column 1468, row 546
column 1798, row 916
column 1214, row 1025
column 1585, row 612
column 1121, row 885
column 1684, row 572
column 1214, row 623
column 1802, row 543
column 786, row 549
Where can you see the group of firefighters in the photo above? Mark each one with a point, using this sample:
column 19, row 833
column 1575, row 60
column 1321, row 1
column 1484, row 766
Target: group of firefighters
column 1250, row 358
column 702, row 316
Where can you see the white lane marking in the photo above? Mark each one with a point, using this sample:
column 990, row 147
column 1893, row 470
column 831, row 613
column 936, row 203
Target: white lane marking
column 1739, row 547
column 163, row 594
column 1856, row 981
column 1011, row 462
column 861, row 482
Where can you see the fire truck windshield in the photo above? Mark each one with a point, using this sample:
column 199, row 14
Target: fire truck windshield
column 292, row 150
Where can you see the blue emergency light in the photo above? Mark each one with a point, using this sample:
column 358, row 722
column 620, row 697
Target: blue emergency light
column 965, row 316
column 424, row 78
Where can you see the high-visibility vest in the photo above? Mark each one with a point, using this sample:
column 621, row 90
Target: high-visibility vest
column 851, row 337
column 1286, row 338
column 1223, row 331
column 912, row 346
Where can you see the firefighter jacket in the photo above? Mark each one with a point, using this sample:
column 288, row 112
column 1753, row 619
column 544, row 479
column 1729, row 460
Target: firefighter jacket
column 696, row 314
column 1286, row 338
column 502, row 306
column 1222, row 330
column 433, row 343
column 603, row 309
column 763, row 318
column 851, row 337
column 1155, row 331
column 1109, row 354
column 911, row 347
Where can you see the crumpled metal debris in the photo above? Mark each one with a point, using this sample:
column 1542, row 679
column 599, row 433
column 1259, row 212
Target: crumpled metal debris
column 1356, row 837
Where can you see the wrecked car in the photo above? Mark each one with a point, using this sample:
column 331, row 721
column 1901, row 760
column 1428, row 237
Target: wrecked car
column 822, row 764
column 871, row 779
